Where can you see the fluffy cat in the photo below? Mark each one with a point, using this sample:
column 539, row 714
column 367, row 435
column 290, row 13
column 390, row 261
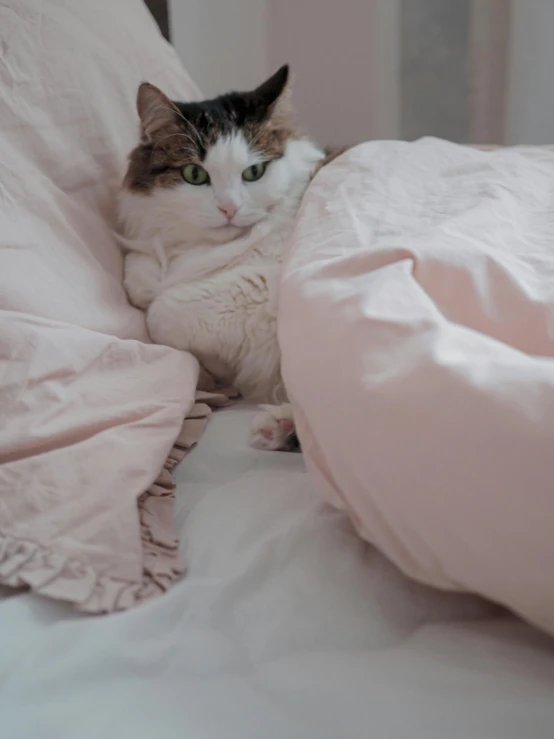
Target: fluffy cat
column 208, row 204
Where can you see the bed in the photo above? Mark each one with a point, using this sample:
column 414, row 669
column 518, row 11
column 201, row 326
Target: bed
column 242, row 597
column 287, row 625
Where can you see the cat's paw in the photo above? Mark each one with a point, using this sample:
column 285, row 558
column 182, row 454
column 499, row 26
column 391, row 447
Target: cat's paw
column 273, row 429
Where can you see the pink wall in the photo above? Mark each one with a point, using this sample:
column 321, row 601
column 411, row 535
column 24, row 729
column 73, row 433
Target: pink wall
column 341, row 63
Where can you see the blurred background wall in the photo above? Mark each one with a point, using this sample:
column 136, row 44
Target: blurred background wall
column 477, row 71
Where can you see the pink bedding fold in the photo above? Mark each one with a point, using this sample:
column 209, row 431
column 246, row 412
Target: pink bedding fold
column 417, row 332
column 91, row 416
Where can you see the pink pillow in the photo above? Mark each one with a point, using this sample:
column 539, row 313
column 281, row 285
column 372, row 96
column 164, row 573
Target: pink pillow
column 417, row 331
column 68, row 85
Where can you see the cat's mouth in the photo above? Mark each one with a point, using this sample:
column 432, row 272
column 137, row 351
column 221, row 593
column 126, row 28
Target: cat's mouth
column 235, row 228
column 229, row 231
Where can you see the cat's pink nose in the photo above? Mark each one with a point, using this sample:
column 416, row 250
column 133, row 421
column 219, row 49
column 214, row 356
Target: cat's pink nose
column 229, row 209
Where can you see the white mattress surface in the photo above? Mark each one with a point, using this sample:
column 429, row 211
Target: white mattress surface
column 287, row 626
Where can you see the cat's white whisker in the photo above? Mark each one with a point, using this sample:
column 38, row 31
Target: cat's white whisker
column 195, row 130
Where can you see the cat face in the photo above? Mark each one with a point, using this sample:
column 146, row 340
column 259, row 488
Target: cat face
column 216, row 167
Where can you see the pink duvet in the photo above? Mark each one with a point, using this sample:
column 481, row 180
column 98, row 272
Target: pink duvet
column 88, row 412
column 417, row 329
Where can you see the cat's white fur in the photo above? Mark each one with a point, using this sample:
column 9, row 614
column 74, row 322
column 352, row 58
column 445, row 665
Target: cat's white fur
column 209, row 284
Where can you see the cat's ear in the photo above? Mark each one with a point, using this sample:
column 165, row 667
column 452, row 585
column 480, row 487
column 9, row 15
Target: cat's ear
column 274, row 94
column 156, row 111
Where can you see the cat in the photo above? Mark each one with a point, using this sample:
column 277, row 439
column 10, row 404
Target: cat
column 208, row 204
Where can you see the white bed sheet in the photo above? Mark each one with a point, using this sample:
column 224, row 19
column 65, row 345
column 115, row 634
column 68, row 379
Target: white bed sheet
column 287, row 626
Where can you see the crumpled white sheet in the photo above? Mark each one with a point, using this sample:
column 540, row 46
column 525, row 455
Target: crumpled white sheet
column 287, row 626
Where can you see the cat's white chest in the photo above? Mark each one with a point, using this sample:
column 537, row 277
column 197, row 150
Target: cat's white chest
column 270, row 249
column 271, row 246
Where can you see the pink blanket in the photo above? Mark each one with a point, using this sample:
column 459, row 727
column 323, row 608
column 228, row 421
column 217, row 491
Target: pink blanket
column 88, row 411
column 417, row 331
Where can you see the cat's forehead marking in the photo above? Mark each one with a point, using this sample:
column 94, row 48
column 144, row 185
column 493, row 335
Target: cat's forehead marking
column 230, row 152
column 209, row 121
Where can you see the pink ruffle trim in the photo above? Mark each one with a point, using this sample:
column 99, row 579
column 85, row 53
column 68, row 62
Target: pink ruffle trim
column 29, row 565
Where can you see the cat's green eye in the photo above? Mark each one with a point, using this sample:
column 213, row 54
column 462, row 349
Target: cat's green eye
column 194, row 174
column 253, row 173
